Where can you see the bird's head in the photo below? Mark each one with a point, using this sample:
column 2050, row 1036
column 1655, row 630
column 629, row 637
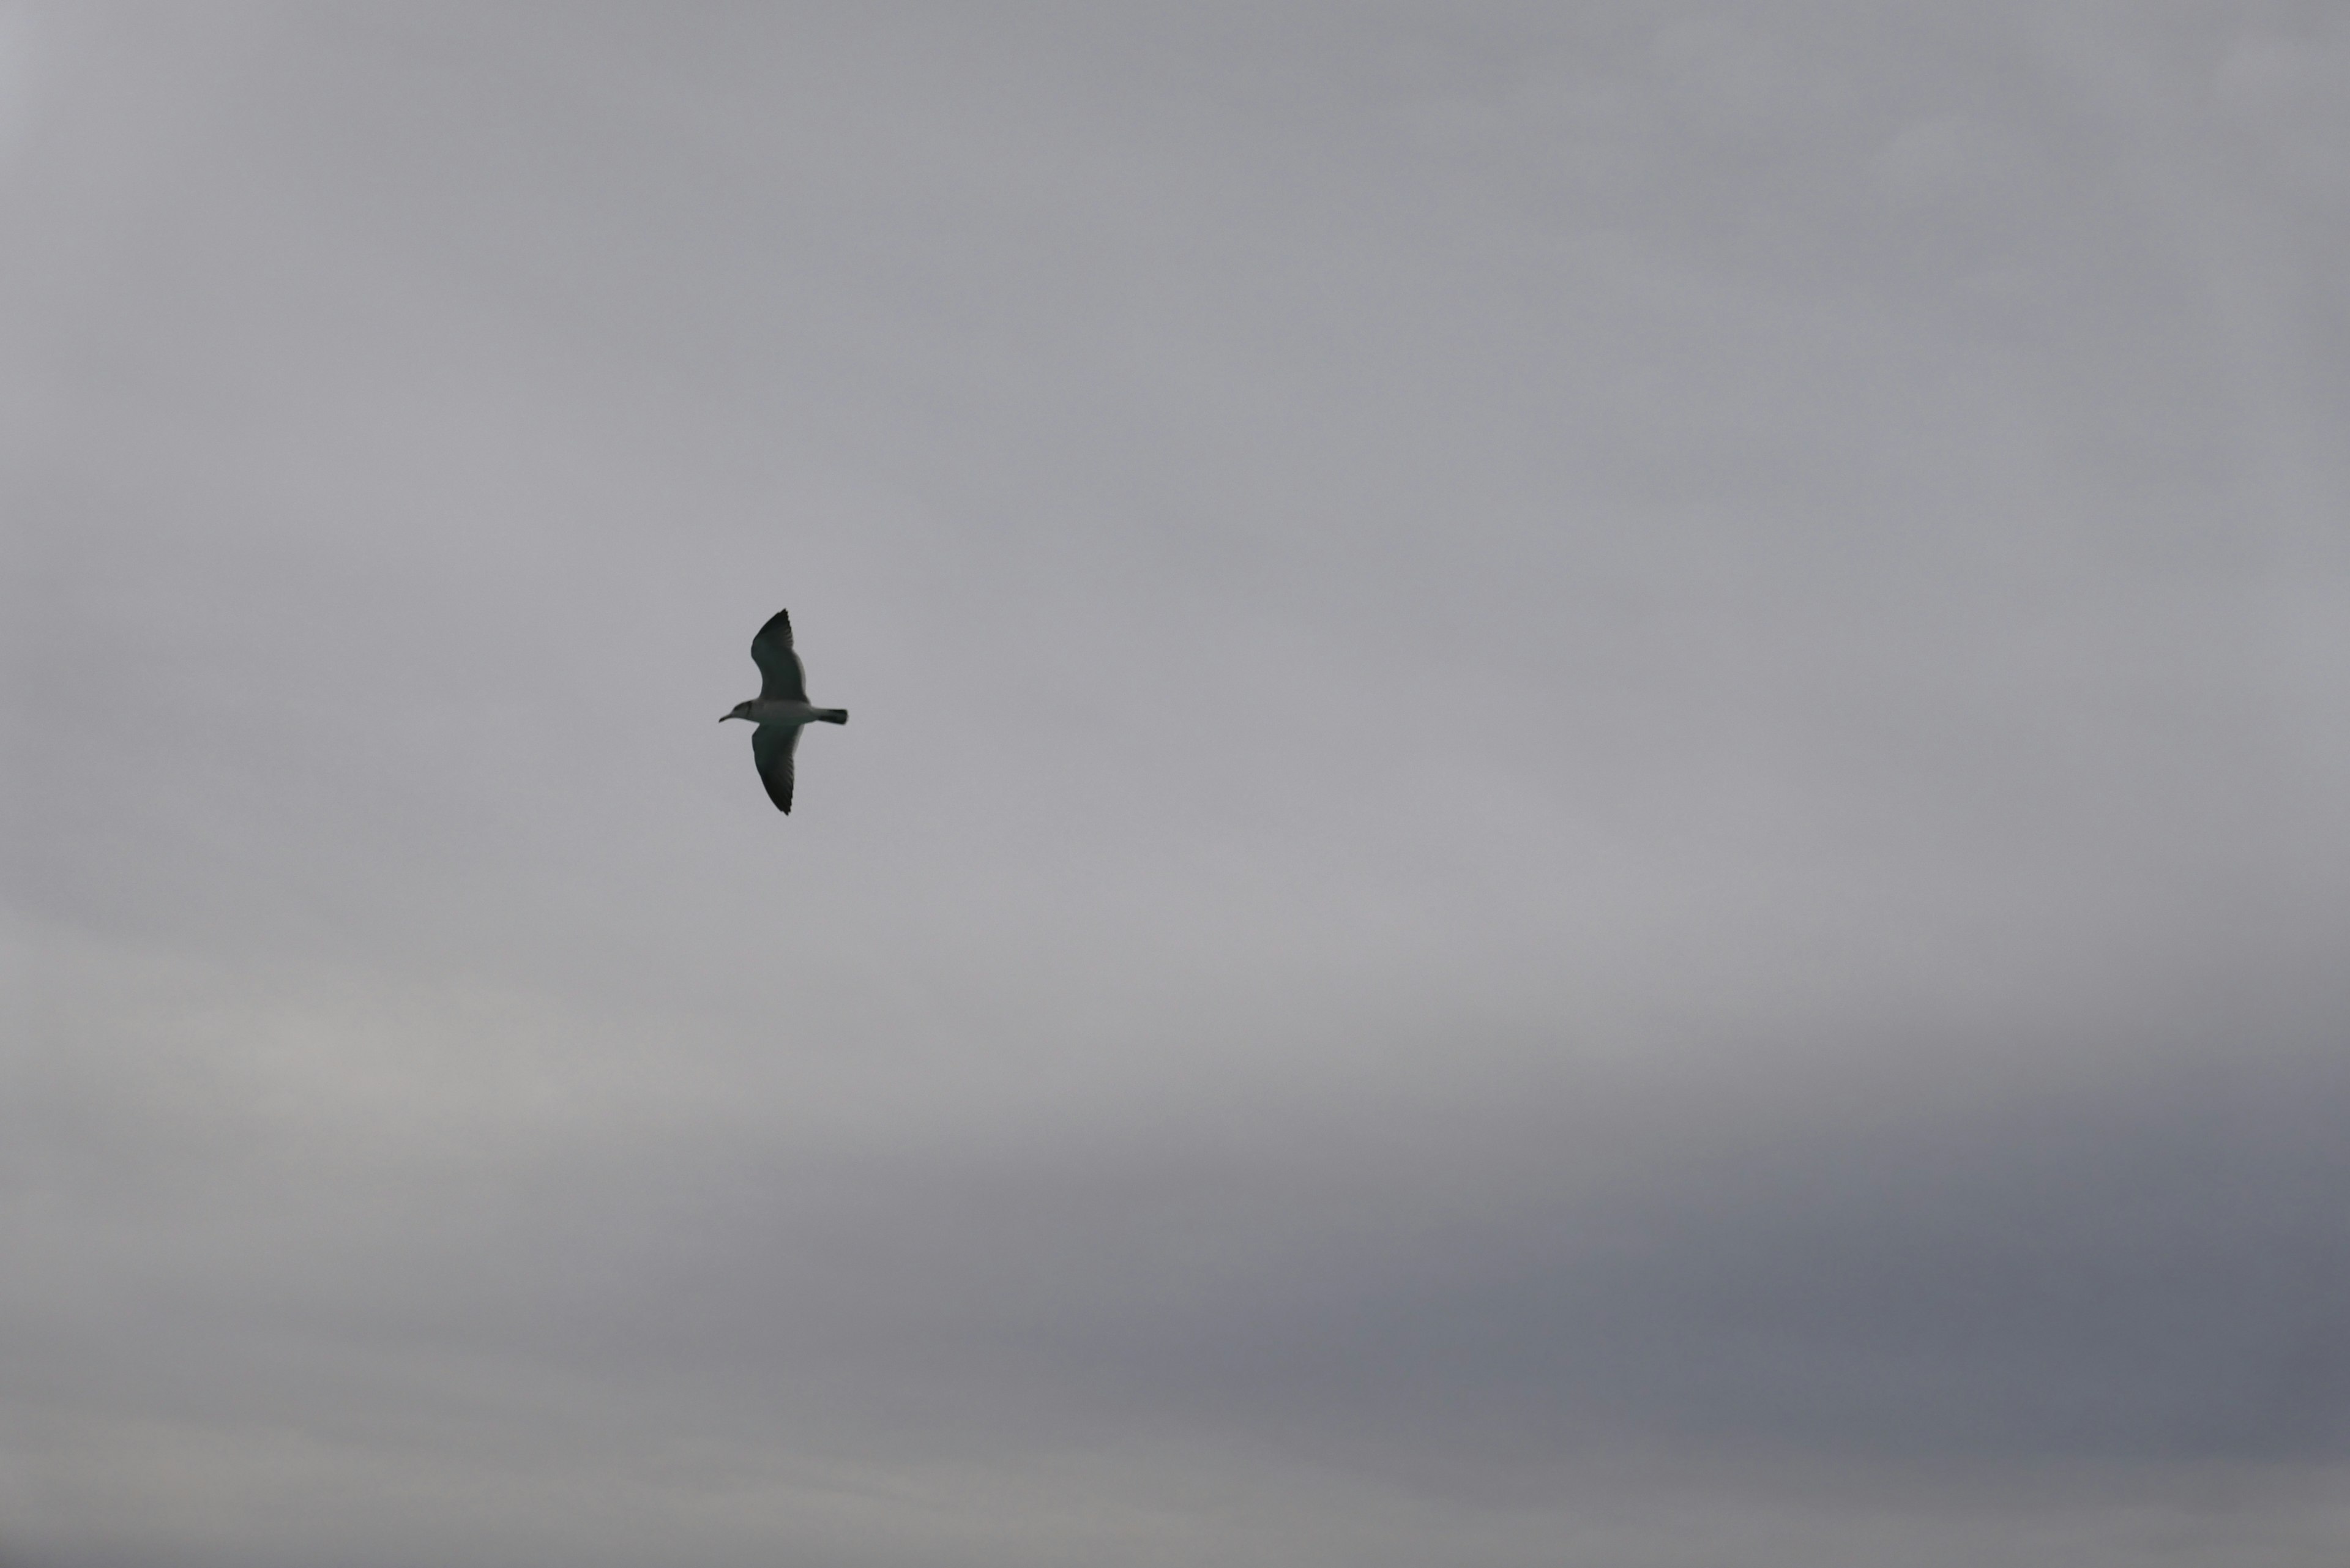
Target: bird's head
column 742, row 711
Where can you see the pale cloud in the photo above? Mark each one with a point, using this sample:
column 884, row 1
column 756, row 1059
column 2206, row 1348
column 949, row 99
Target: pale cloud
column 1595, row 815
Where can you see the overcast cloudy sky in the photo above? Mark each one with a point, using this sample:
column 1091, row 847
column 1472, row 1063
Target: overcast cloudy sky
column 1598, row 815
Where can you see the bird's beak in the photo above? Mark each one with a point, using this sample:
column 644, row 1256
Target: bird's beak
column 723, row 717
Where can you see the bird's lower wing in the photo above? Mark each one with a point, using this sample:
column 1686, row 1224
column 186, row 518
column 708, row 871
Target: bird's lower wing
column 780, row 676
column 771, row 748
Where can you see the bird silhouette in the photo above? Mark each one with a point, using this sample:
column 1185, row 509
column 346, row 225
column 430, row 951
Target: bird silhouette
column 781, row 709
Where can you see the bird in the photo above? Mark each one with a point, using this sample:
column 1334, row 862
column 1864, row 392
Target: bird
column 780, row 710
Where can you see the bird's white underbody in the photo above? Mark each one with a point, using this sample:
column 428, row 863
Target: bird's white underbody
column 763, row 712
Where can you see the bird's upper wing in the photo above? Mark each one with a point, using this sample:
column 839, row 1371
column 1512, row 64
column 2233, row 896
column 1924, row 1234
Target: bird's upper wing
column 771, row 748
column 779, row 666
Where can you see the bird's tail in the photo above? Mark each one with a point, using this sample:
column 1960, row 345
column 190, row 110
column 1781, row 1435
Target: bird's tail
column 831, row 715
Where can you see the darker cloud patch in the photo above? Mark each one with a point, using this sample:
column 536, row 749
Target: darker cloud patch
column 2135, row 1273
column 2158, row 1279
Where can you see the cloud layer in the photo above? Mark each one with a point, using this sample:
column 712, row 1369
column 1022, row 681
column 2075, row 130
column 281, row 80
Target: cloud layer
column 1596, row 812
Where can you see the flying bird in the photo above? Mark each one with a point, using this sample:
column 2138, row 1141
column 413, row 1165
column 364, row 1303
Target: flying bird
column 781, row 709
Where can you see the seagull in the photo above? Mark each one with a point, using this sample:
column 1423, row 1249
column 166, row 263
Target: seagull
column 780, row 709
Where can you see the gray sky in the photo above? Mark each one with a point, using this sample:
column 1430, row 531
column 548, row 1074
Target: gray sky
column 1600, row 812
